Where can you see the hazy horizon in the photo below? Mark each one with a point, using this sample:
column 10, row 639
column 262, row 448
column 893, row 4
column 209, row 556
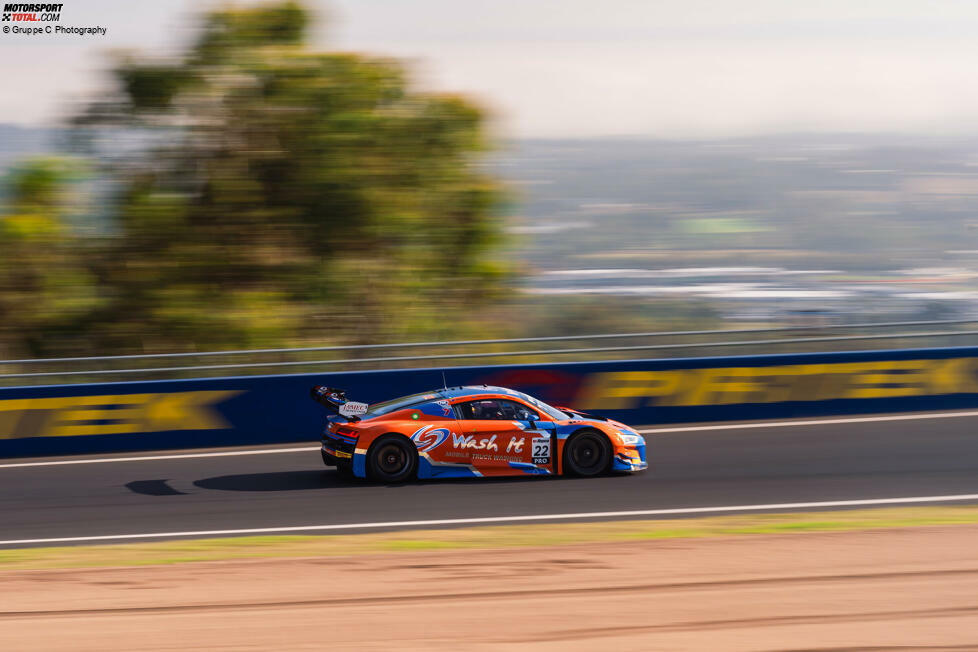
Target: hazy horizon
column 666, row 69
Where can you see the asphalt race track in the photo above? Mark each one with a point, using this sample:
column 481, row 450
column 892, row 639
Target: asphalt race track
column 825, row 460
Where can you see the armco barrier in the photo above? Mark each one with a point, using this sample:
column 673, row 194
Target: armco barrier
column 130, row 416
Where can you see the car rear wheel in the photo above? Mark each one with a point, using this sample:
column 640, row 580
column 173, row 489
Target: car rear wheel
column 587, row 453
column 392, row 458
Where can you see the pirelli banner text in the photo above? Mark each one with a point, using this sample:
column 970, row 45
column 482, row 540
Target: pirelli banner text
column 270, row 409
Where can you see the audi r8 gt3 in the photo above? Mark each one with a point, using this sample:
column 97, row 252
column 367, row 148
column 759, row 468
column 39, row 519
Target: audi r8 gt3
column 465, row 432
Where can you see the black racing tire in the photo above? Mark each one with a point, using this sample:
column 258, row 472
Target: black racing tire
column 392, row 458
column 587, row 453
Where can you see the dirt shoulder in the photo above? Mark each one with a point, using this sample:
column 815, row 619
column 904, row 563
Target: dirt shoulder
column 177, row 551
column 876, row 589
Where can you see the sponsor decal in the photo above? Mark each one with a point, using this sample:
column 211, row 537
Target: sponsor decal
column 482, row 457
column 475, row 443
column 429, row 437
column 353, row 409
column 117, row 414
column 515, row 445
column 540, row 448
column 623, row 390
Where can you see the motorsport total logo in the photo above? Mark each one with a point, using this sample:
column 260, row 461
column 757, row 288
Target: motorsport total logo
column 31, row 13
column 27, row 16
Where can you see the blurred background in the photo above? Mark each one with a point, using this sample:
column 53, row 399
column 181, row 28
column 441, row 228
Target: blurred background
column 210, row 176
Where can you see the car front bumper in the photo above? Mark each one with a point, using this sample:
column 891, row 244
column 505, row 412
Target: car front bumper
column 630, row 459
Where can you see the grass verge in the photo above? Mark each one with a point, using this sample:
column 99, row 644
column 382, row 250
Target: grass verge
column 509, row 536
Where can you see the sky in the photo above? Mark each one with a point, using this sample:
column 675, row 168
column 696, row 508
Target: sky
column 575, row 68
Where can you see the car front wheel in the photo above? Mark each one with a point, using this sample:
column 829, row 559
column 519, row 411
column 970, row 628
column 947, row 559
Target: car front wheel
column 587, row 453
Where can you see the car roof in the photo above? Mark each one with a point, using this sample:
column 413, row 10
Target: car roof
column 473, row 390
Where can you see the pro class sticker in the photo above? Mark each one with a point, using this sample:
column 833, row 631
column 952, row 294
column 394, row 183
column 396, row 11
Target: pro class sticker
column 541, row 450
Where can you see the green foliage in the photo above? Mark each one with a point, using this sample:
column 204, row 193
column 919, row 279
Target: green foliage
column 44, row 285
column 151, row 87
column 267, row 194
column 227, row 32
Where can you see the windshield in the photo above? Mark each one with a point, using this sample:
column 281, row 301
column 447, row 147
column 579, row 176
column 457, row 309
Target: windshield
column 551, row 411
column 377, row 409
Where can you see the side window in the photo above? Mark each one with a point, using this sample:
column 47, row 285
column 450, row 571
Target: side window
column 494, row 408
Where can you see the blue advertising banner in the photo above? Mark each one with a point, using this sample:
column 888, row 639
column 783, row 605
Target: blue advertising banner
column 249, row 410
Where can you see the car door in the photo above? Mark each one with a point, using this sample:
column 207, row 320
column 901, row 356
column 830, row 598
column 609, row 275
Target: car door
column 499, row 433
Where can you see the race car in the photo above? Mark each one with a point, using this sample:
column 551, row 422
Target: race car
column 471, row 432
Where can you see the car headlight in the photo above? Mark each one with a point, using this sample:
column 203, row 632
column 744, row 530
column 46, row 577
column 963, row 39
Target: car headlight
column 629, row 440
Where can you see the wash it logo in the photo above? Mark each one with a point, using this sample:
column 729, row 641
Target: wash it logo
column 71, row 416
column 29, row 13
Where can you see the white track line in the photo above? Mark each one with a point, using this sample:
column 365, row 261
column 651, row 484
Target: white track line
column 813, row 422
column 503, row 519
column 652, row 431
column 102, row 460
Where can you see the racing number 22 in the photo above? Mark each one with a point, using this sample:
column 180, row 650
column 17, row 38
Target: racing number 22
column 541, row 451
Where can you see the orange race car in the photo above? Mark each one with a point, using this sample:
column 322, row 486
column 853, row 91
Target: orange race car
column 471, row 432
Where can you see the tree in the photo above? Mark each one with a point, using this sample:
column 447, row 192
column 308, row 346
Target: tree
column 267, row 194
column 45, row 288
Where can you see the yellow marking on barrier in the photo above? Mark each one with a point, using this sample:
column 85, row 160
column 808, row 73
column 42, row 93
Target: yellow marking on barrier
column 620, row 390
column 72, row 416
column 803, row 382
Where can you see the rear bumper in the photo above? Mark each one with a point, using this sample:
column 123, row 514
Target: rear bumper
column 337, row 450
column 328, row 458
column 336, row 453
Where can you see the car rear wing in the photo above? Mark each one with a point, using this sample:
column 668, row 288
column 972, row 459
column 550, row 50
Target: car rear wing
column 336, row 402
